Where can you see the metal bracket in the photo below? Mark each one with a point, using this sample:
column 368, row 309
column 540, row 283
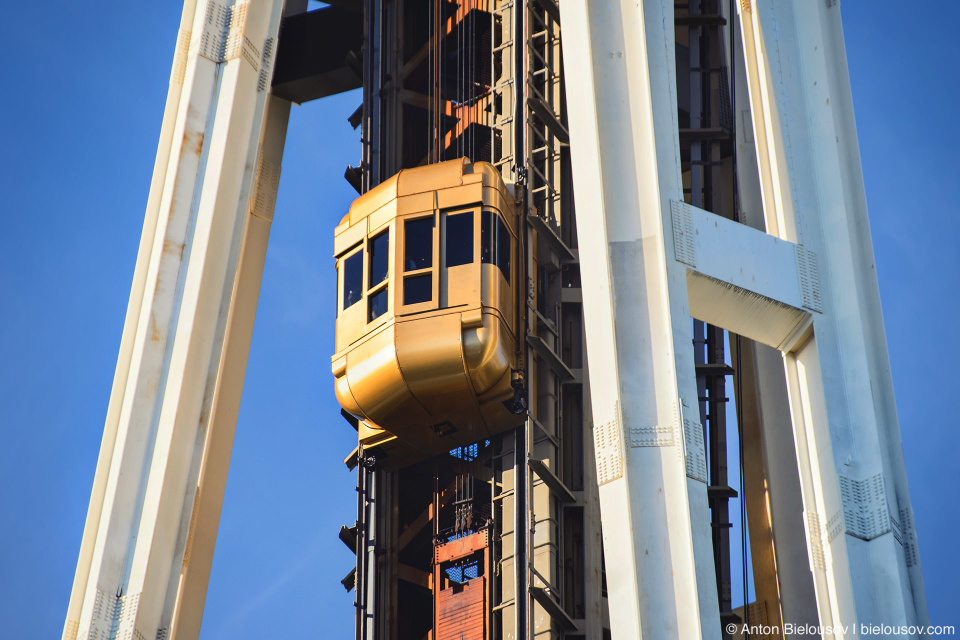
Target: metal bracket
column 694, row 450
column 683, row 246
column 714, row 369
column 908, row 537
column 180, row 58
column 222, row 35
column 553, row 608
column 350, row 580
column 550, row 357
column 546, row 114
column 809, row 279
column 653, row 436
column 815, row 541
column 544, row 231
column 266, row 66
column 264, row 198
column 551, row 480
column 865, row 514
column 544, row 431
column 608, row 449
column 348, row 535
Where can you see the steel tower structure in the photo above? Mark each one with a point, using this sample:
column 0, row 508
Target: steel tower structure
column 688, row 183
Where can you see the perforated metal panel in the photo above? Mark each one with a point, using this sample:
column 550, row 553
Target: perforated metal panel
column 609, row 450
column 683, row 246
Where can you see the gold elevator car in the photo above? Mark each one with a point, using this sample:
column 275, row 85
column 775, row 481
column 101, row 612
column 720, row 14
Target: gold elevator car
column 426, row 350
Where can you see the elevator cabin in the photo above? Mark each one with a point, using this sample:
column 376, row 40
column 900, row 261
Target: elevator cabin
column 426, row 334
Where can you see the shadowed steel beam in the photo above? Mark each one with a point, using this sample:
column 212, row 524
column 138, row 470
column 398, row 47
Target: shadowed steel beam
column 312, row 54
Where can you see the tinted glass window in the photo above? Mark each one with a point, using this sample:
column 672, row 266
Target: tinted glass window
column 486, row 237
column 418, row 289
column 352, row 279
column 378, row 304
column 418, row 244
column 459, row 239
column 379, row 254
column 503, row 249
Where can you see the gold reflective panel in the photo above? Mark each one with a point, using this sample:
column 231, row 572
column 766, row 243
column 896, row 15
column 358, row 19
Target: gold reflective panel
column 426, row 344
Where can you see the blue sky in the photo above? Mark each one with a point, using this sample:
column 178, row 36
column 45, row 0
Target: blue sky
column 85, row 85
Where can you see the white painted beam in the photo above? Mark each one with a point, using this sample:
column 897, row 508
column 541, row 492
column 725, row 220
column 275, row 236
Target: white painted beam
column 620, row 64
column 189, row 316
column 778, row 544
column 857, row 506
column 136, row 302
column 745, row 280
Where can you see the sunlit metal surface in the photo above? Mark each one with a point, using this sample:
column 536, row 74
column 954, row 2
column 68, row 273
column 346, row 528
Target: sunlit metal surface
column 426, row 347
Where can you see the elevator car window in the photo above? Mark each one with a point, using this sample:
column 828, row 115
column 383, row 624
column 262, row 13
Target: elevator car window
column 418, row 244
column 378, row 304
column 352, row 279
column 379, row 258
column 459, row 239
column 417, row 289
column 503, row 249
column 486, row 238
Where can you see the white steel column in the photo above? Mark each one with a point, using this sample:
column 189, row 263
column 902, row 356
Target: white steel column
column 154, row 509
column 778, row 545
column 619, row 62
column 861, row 541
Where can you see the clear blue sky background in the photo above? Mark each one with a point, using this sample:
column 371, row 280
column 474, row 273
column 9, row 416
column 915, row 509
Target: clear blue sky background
column 84, row 90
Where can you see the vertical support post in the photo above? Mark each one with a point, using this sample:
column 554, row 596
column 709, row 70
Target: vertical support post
column 778, row 548
column 594, row 596
column 860, row 537
column 370, row 611
column 205, row 512
column 525, row 499
column 620, row 65
column 155, row 504
column 372, row 84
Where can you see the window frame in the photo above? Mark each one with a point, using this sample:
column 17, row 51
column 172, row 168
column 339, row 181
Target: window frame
column 497, row 223
column 372, row 291
column 359, row 248
column 445, row 215
column 370, row 257
column 432, row 270
column 502, row 227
